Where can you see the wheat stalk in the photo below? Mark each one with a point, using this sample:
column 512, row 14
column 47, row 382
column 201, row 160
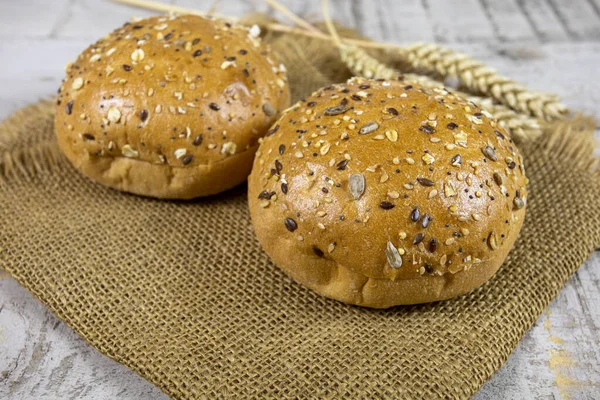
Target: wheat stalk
column 479, row 78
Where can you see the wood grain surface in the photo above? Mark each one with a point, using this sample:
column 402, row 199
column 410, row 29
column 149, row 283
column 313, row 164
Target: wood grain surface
column 552, row 45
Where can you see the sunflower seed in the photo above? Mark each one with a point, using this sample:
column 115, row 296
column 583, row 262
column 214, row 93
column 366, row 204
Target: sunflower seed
column 336, row 110
column 368, row 128
column 489, row 153
column 393, row 256
column 518, row 203
column 269, row 110
column 356, row 185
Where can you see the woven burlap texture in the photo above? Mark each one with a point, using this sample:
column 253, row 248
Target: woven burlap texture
column 181, row 292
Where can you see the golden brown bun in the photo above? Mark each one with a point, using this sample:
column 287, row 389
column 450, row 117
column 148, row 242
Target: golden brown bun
column 170, row 107
column 419, row 149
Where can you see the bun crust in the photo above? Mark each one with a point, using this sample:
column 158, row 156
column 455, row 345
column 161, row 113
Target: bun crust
column 170, row 107
column 384, row 193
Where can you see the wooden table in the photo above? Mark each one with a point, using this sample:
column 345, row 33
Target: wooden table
column 551, row 45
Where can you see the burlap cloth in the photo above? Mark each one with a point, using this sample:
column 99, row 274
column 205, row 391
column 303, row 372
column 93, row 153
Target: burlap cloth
column 181, row 292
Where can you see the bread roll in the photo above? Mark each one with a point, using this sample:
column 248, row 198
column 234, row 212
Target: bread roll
column 382, row 193
column 170, row 107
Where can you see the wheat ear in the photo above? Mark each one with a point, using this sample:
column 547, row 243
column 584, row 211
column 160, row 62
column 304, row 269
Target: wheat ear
column 478, row 78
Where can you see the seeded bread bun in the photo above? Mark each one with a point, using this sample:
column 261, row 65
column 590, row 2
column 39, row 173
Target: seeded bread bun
column 170, row 107
column 382, row 193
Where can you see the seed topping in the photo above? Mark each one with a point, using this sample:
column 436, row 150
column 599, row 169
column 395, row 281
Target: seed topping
column 489, row 153
column 290, row 224
column 336, row 110
column 415, row 214
column 425, row 182
column 356, row 185
column 368, row 128
column 386, row 205
column 393, row 256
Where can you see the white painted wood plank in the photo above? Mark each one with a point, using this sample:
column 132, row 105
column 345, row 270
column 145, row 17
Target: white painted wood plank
column 40, row 357
column 579, row 16
column 596, row 5
column 34, row 18
column 234, row 8
column 393, row 21
column 460, row 21
column 92, row 19
column 33, row 74
column 545, row 21
column 510, row 23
